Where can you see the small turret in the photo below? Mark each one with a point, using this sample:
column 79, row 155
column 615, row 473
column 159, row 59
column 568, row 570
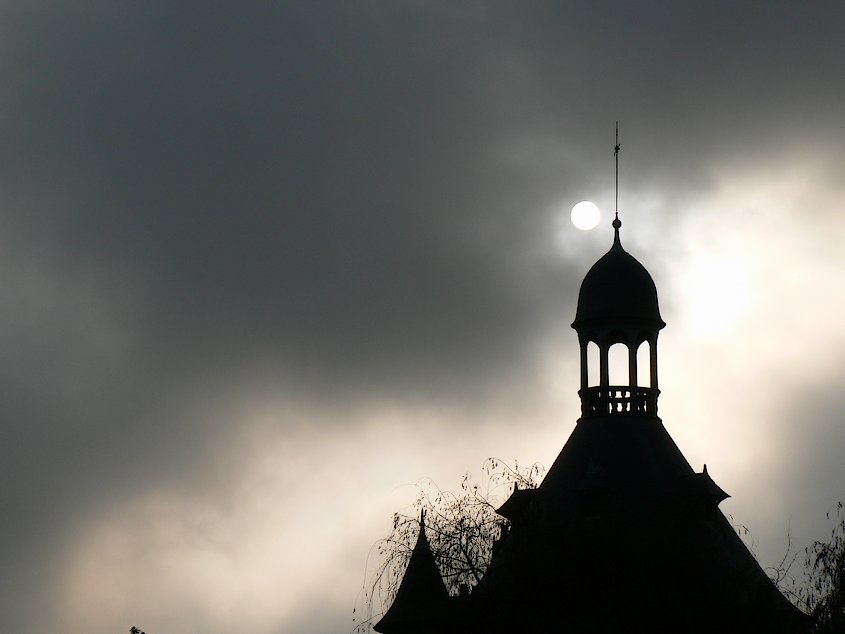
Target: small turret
column 422, row 601
column 618, row 304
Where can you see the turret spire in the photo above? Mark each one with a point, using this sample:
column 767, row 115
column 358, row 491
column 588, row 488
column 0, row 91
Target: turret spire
column 616, row 149
column 617, row 224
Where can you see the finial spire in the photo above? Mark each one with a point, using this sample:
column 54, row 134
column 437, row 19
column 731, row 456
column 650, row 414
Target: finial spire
column 616, row 149
column 616, row 222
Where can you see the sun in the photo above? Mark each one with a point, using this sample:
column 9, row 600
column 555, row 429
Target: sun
column 585, row 215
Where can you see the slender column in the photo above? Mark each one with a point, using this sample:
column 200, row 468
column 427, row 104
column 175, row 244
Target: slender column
column 652, row 345
column 584, row 373
column 605, row 369
column 632, row 367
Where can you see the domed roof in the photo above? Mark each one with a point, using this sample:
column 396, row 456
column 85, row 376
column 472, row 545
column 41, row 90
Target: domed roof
column 618, row 289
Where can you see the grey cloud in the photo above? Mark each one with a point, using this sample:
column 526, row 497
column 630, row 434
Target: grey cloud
column 334, row 199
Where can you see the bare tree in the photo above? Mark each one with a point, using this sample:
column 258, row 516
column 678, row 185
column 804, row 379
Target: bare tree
column 461, row 526
column 819, row 589
column 824, row 567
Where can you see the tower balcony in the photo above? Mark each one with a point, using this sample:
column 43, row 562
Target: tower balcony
column 618, row 400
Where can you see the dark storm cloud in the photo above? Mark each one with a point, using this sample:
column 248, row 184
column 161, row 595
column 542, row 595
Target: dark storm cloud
column 235, row 192
column 328, row 187
column 354, row 197
column 289, row 183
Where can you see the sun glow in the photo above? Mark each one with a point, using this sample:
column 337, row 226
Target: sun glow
column 585, row 215
column 719, row 294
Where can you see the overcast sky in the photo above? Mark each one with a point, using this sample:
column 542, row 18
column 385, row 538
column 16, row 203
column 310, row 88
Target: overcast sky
column 263, row 266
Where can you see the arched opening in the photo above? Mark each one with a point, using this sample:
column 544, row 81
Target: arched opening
column 593, row 363
column 644, row 365
column 617, row 359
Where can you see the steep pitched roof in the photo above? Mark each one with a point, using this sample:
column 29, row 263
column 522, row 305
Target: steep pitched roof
column 623, row 535
column 422, row 600
column 516, row 504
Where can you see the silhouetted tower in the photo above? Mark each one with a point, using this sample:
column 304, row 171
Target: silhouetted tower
column 622, row 535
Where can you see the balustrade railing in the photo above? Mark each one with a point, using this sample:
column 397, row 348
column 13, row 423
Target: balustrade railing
column 617, row 400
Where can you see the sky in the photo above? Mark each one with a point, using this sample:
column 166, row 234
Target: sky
column 265, row 266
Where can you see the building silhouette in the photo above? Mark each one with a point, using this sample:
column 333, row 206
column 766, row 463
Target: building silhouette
column 622, row 535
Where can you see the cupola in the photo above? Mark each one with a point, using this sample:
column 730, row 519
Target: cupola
column 617, row 304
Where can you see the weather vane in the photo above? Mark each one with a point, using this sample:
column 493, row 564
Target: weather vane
column 585, row 214
column 616, row 149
